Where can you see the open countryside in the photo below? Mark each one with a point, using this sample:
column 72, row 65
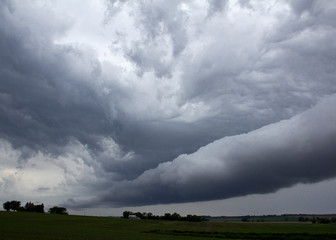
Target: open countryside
column 158, row 119
column 23, row 225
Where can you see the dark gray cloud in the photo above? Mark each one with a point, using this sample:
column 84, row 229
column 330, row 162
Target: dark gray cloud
column 52, row 96
column 216, row 6
column 45, row 101
column 300, row 6
column 298, row 150
column 136, row 98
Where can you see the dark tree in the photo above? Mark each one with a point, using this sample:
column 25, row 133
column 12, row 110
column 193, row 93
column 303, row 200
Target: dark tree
column 175, row 216
column 324, row 220
column 15, row 205
column 139, row 215
column 58, row 210
column 167, row 216
column 126, row 214
column 149, row 215
column 194, row 218
column 21, row 209
column 7, row 206
column 29, row 207
column 39, row 208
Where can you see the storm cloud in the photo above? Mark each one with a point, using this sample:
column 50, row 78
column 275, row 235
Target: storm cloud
column 149, row 102
column 298, row 150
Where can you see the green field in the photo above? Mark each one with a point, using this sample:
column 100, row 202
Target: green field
column 275, row 218
column 20, row 225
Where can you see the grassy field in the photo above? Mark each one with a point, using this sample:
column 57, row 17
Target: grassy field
column 21, row 225
column 277, row 218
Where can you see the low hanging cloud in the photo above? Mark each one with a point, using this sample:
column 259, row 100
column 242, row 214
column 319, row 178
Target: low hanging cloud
column 298, row 150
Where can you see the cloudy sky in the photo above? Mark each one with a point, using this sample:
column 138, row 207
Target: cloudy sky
column 203, row 107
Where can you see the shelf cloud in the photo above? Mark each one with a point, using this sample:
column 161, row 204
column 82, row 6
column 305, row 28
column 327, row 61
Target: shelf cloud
column 298, row 150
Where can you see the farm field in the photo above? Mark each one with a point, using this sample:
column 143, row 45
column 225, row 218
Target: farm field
column 289, row 218
column 20, row 225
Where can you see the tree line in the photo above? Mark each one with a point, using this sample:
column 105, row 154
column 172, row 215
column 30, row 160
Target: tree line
column 166, row 216
column 317, row 220
column 31, row 207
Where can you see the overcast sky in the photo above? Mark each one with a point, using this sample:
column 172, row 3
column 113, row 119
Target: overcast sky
column 203, row 107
